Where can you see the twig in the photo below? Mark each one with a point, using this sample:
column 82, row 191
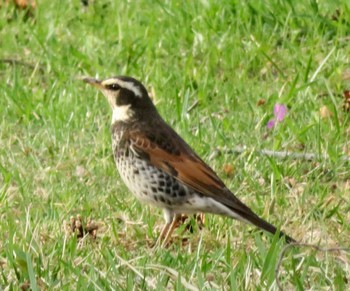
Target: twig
column 276, row 154
column 291, row 245
column 193, row 106
column 328, row 94
column 22, row 63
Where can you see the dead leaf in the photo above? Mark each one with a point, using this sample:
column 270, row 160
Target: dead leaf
column 261, row 181
column 228, row 170
column 80, row 171
column 81, row 229
column 24, row 4
column 260, row 102
column 325, row 112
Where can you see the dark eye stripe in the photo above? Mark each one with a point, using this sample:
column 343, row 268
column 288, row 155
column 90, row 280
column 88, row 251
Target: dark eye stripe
column 113, row 87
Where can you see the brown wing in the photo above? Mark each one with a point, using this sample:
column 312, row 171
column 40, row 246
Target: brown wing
column 184, row 166
column 168, row 151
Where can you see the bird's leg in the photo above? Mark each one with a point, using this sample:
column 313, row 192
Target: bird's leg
column 170, row 230
column 200, row 217
column 169, row 218
column 172, row 222
column 162, row 234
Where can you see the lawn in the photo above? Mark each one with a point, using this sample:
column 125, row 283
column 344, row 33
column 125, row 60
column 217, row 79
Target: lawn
column 215, row 70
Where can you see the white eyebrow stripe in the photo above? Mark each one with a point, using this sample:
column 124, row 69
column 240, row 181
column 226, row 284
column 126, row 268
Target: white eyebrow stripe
column 127, row 85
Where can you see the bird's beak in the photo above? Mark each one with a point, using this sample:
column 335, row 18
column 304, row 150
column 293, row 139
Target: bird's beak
column 94, row 82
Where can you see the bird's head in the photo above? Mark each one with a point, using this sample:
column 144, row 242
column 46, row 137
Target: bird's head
column 127, row 97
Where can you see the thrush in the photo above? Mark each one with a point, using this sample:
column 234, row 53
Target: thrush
column 159, row 167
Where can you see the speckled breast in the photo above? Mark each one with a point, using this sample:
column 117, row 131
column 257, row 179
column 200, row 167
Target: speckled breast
column 148, row 183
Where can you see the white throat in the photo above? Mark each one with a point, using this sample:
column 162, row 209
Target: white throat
column 121, row 113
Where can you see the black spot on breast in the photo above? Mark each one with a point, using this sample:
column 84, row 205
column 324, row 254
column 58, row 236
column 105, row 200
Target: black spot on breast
column 136, row 172
column 155, row 198
column 161, row 183
column 168, row 191
column 169, row 182
column 154, row 189
column 182, row 192
column 126, row 153
column 161, row 198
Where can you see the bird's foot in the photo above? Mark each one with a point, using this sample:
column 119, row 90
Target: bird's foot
column 164, row 238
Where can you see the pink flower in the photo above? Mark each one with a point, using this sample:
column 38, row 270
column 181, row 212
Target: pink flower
column 270, row 124
column 280, row 111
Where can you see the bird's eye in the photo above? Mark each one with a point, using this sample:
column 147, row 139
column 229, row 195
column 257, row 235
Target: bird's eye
column 113, row 87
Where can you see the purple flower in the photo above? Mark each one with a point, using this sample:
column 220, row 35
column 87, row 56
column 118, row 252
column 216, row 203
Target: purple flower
column 280, row 111
column 270, row 124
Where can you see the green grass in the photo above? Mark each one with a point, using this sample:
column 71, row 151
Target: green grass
column 55, row 149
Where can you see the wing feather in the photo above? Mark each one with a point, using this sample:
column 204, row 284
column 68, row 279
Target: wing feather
column 184, row 165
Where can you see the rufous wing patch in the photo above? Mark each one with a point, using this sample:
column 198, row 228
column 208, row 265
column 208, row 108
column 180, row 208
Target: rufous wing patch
column 186, row 167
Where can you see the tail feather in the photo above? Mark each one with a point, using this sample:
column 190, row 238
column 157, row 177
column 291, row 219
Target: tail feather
column 249, row 216
column 259, row 222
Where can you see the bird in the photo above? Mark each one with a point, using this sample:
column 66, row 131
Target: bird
column 159, row 167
